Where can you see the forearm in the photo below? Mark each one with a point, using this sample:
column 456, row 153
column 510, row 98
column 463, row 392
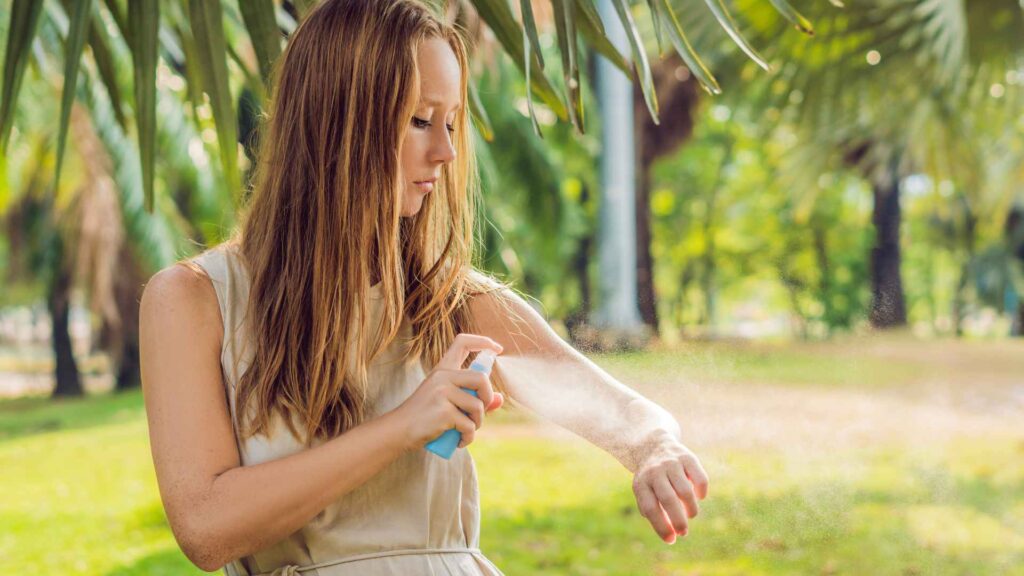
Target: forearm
column 252, row 507
column 570, row 390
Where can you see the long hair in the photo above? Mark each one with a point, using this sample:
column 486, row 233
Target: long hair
column 325, row 206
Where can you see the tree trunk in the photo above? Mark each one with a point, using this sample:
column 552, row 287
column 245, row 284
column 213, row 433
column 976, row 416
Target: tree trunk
column 581, row 267
column 960, row 296
column 647, row 299
column 58, row 301
column 677, row 102
column 128, row 293
column 820, row 234
column 888, row 309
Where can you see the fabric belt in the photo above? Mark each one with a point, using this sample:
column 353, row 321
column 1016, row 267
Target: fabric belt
column 294, row 570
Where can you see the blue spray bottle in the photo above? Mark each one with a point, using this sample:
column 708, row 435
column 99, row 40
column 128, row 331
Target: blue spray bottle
column 445, row 444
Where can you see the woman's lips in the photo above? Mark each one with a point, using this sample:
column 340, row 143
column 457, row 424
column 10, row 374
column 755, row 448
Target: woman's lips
column 425, row 186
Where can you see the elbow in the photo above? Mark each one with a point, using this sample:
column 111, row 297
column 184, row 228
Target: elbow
column 203, row 556
column 199, row 547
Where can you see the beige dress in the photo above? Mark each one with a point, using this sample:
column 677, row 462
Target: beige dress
column 420, row 515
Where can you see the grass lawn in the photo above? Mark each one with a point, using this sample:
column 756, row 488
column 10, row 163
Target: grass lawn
column 79, row 494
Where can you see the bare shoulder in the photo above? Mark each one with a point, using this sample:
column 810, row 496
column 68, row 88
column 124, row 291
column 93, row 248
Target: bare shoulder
column 507, row 317
column 181, row 291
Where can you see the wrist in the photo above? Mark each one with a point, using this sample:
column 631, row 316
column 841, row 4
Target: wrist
column 398, row 431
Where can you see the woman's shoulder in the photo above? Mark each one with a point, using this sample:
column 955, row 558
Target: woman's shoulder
column 181, row 283
column 185, row 291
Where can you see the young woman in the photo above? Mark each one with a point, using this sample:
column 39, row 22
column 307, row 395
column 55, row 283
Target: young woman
column 293, row 374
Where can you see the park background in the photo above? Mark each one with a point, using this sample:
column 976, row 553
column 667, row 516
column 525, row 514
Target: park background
column 825, row 289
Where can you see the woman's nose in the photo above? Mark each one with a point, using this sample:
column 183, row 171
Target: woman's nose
column 444, row 148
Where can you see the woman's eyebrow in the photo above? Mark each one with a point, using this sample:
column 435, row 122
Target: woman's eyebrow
column 437, row 102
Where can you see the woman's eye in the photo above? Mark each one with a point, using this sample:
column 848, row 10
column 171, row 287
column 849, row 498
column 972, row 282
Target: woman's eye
column 421, row 123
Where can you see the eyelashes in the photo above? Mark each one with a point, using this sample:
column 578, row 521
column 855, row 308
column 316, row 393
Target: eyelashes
column 420, row 123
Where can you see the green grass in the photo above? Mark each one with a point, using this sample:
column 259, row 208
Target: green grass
column 78, row 495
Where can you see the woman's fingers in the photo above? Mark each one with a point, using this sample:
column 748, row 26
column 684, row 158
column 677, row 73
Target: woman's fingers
column 695, row 472
column 462, row 345
column 670, row 503
column 648, row 504
column 683, row 489
column 667, row 494
column 476, row 381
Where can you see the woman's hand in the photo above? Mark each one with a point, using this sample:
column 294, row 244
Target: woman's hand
column 669, row 478
column 439, row 402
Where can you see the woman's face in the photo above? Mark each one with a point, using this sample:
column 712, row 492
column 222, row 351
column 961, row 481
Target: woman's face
column 428, row 143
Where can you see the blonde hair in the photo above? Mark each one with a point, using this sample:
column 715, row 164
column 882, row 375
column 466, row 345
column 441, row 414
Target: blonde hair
column 325, row 205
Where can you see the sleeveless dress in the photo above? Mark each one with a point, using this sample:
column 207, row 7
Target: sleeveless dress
column 419, row 515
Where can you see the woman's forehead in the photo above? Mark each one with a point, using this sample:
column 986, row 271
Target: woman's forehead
column 440, row 75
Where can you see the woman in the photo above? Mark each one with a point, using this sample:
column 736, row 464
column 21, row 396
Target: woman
column 293, row 375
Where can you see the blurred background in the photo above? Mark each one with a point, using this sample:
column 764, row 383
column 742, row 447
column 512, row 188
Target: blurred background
column 799, row 226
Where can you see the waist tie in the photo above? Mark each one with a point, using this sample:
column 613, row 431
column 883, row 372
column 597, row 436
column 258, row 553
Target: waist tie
column 293, row 570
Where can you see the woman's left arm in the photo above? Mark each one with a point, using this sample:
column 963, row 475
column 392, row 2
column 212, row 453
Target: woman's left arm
column 542, row 372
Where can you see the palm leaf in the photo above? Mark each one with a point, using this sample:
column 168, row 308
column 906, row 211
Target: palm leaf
column 592, row 29
column 261, row 23
column 144, row 19
column 499, row 17
column 479, row 115
column 530, row 28
column 798, row 20
column 722, row 15
column 20, row 32
column 565, row 24
column 208, row 32
column 79, row 26
column 683, row 46
column 99, row 42
column 640, row 63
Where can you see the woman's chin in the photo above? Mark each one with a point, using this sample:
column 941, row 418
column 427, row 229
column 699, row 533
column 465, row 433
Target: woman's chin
column 412, row 206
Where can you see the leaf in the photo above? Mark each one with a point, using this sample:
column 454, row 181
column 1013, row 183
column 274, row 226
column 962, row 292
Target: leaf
column 20, row 32
column 685, row 50
column 114, row 7
column 77, row 31
column 498, row 16
column 208, row 33
column 193, row 81
column 593, row 32
column 526, row 59
column 565, row 25
column 530, row 27
column 144, row 21
column 479, row 115
column 261, row 23
column 722, row 15
column 643, row 67
column 787, row 11
column 656, row 17
column 99, row 42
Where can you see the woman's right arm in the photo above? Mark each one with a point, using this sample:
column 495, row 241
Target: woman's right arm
column 219, row 510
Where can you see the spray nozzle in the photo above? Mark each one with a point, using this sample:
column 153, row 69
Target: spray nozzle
column 484, row 361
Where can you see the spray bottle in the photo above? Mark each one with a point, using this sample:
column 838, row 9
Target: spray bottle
column 444, row 445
